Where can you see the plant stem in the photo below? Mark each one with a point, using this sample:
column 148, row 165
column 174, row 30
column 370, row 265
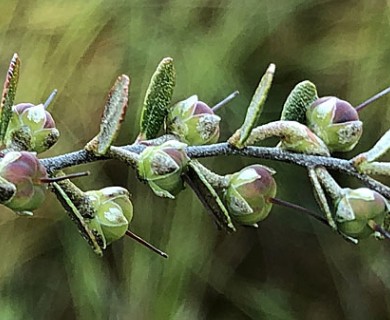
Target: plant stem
column 224, row 149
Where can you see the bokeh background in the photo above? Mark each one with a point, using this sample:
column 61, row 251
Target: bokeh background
column 291, row 267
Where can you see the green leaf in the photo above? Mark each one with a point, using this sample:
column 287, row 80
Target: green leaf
column 299, row 99
column 113, row 114
column 209, row 197
column 320, row 197
column 254, row 110
column 160, row 192
column 8, row 95
column 97, row 243
column 157, row 100
column 381, row 147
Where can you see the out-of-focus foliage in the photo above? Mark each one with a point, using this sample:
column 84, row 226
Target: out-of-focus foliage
column 291, row 267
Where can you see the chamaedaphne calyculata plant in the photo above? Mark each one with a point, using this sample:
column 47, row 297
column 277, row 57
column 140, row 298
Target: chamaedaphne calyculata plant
column 174, row 136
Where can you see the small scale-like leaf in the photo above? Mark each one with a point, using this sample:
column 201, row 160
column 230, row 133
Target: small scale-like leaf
column 8, row 95
column 209, row 197
column 96, row 243
column 294, row 136
column 299, row 99
column 320, row 197
column 255, row 109
column 160, row 192
column 378, row 150
column 157, row 100
column 113, row 114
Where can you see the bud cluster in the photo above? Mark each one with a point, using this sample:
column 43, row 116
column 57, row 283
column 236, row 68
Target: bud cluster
column 309, row 125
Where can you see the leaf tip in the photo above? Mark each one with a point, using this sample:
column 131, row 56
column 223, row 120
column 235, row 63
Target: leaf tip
column 167, row 60
column 271, row 68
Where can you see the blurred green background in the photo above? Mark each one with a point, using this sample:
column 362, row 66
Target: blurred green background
column 291, row 267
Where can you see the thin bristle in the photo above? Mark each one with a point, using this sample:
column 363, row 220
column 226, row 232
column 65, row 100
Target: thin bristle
column 146, row 244
column 372, row 99
column 229, row 98
column 50, row 98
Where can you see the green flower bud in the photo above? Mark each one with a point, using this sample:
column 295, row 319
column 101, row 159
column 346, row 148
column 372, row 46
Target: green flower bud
column 25, row 172
column 114, row 212
column 162, row 167
column 356, row 208
column 193, row 122
column 336, row 122
column 248, row 193
column 31, row 128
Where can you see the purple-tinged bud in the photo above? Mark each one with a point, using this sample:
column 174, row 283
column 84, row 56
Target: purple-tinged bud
column 114, row 212
column 247, row 196
column 336, row 122
column 25, row 172
column 34, row 113
column 356, row 208
column 194, row 122
column 162, row 167
column 32, row 124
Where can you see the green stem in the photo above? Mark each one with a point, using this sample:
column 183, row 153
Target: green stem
column 216, row 180
column 128, row 157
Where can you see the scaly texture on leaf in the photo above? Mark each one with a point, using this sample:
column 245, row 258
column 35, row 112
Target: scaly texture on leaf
column 294, row 136
column 254, row 110
column 88, row 234
column 157, row 100
column 299, row 99
column 8, row 95
column 113, row 114
column 209, row 197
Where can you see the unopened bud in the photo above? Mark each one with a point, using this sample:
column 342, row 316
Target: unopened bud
column 336, row 122
column 31, row 127
column 194, row 122
column 248, row 194
column 114, row 212
column 356, row 208
column 25, row 172
column 162, row 167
